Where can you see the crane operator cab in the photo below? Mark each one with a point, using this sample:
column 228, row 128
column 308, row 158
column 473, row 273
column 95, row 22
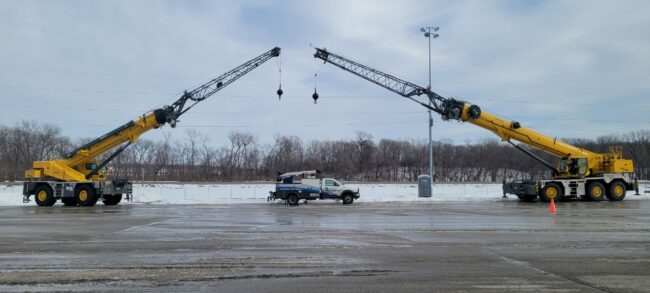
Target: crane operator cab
column 569, row 167
column 101, row 174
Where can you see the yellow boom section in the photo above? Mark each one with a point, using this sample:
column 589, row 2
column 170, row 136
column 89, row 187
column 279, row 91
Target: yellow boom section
column 507, row 130
column 73, row 168
column 611, row 162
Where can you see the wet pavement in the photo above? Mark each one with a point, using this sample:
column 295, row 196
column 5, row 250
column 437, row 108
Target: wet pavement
column 324, row 247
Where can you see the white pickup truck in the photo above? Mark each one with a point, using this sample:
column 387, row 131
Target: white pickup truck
column 307, row 185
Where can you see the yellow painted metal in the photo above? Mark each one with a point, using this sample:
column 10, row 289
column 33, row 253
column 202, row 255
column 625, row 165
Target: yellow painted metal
column 619, row 190
column 74, row 168
column 596, row 190
column 596, row 164
column 551, row 192
column 42, row 195
column 504, row 129
column 83, row 195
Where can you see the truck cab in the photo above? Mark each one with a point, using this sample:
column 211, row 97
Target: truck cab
column 307, row 185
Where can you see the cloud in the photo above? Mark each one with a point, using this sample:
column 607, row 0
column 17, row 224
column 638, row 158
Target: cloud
column 571, row 68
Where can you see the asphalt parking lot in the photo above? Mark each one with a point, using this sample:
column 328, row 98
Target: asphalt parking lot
column 324, row 247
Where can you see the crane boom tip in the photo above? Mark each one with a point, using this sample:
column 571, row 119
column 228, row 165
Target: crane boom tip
column 275, row 51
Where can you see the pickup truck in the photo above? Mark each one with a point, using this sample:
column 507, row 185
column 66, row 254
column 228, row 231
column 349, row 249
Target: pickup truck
column 307, row 185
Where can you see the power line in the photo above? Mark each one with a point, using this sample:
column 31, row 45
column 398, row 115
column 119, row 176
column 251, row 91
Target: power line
column 543, row 130
column 164, row 76
column 140, row 75
column 315, row 113
column 87, row 91
column 306, row 97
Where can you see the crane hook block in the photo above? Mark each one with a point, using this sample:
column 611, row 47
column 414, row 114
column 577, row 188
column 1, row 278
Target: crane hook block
column 315, row 97
column 280, row 92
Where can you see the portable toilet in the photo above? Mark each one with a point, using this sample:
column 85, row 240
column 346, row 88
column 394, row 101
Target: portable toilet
column 424, row 186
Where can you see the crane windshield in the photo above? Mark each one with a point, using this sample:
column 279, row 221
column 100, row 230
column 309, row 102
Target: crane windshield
column 562, row 166
column 573, row 166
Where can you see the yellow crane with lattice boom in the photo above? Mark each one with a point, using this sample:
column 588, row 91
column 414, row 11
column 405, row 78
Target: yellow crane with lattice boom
column 79, row 178
column 578, row 173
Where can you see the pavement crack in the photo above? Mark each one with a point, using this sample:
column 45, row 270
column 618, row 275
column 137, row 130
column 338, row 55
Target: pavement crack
column 145, row 225
column 529, row 266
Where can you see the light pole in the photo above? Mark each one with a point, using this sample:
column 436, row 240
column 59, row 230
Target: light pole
column 429, row 35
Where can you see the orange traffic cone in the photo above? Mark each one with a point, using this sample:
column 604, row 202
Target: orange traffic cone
column 552, row 209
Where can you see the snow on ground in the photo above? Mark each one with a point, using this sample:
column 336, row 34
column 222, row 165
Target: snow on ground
column 167, row 193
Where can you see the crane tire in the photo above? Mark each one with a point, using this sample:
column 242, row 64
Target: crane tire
column 616, row 190
column 595, row 191
column 86, row 195
column 44, row 196
column 551, row 190
column 112, row 199
column 293, row 199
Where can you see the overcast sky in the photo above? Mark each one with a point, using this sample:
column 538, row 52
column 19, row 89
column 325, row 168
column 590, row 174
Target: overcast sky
column 565, row 68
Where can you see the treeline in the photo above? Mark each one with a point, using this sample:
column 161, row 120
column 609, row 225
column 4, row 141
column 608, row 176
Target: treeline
column 242, row 157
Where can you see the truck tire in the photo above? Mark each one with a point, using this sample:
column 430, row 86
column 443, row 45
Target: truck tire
column 347, row 198
column 616, row 191
column 550, row 191
column 112, row 199
column 44, row 197
column 595, row 191
column 86, row 196
column 293, row 199
column 69, row 201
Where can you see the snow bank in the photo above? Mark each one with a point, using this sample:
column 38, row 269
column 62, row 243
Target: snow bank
column 166, row 193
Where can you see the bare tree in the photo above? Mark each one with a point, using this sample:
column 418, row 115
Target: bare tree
column 361, row 158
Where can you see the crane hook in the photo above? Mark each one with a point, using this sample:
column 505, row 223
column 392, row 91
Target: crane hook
column 315, row 96
column 280, row 92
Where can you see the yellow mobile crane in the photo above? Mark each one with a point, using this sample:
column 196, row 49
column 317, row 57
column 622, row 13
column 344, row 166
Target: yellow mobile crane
column 80, row 179
column 579, row 172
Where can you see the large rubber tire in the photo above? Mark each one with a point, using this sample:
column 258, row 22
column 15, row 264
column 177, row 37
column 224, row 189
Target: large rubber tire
column 347, row 198
column 293, row 199
column 550, row 191
column 595, row 191
column 44, row 196
column 112, row 199
column 86, row 196
column 69, row 201
column 616, row 191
